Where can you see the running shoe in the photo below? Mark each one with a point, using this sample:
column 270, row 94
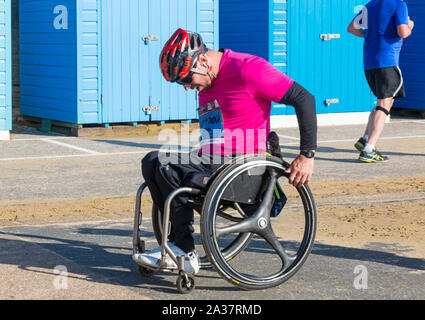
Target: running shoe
column 360, row 144
column 374, row 157
column 153, row 258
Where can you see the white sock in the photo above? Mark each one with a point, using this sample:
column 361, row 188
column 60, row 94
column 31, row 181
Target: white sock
column 369, row 148
column 366, row 137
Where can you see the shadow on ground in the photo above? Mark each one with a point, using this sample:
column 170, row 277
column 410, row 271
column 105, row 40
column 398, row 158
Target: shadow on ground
column 110, row 262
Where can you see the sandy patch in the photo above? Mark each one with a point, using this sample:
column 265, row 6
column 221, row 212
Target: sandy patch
column 401, row 222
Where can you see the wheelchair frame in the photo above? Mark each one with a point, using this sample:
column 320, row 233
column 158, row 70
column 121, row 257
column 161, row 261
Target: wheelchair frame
column 185, row 281
column 258, row 223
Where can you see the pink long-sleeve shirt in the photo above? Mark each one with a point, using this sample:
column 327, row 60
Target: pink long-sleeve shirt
column 234, row 113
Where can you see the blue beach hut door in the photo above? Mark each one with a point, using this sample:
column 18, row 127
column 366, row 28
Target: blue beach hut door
column 133, row 33
column 325, row 58
column 5, row 70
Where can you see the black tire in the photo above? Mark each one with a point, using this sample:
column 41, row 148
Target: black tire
column 274, row 168
column 184, row 286
column 144, row 272
column 237, row 244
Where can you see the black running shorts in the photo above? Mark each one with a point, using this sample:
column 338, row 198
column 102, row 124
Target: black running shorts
column 386, row 82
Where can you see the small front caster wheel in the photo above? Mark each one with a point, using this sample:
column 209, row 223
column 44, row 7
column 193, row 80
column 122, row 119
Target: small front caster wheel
column 145, row 272
column 185, row 286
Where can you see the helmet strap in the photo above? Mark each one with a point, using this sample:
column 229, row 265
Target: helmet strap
column 208, row 72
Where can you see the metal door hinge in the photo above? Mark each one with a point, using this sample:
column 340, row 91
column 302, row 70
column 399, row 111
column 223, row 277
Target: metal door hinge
column 149, row 109
column 330, row 36
column 328, row 102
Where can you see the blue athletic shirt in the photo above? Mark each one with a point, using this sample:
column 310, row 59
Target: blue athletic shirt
column 382, row 44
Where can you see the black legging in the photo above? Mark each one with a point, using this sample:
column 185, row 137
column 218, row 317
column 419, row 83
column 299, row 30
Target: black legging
column 162, row 179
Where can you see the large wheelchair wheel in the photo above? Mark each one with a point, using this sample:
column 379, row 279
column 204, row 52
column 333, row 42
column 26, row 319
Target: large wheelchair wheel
column 233, row 245
column 262, row 264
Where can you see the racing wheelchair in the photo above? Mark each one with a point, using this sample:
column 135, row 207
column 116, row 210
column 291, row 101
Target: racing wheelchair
column 238, row 205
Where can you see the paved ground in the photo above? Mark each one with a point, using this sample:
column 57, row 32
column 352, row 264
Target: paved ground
column 96, row 251
column 49, row 166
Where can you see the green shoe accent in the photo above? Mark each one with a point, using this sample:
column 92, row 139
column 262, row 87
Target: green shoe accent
column 360, row 144
column 373, row 157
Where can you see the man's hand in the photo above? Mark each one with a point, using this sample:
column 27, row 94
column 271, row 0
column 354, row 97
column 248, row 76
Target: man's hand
column 405, row 31
column 301, row 170
column 411, row 24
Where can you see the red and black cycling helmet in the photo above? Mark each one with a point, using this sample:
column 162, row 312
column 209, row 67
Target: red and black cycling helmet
column 179, row 56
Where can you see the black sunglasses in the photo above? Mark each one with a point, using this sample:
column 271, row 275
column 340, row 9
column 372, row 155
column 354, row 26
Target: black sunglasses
column 186, row 80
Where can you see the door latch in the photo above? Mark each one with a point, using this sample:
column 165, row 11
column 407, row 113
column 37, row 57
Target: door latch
column 149, row 109
column 330, row 36
column 328, row 102
column 148, row 39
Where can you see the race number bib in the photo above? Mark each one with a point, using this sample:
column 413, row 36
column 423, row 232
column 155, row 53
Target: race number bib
column 211, row 123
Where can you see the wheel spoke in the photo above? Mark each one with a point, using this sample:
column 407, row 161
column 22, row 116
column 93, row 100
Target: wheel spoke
column 270, row 189
column 238, row 207
column 271, row 238
column 241, row 227
column 228, row 216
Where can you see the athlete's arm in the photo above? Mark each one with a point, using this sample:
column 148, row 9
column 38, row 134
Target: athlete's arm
column 304, row 103
column 263, row 80
column 404, row 30
column 355, row 30
column 402, row 20
column 305, row 108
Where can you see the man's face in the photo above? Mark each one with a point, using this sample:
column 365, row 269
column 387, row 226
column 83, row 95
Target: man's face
column 199, row 82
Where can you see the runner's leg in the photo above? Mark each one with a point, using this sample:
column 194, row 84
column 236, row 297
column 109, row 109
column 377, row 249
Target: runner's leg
column 378, row 120
column 369, row 124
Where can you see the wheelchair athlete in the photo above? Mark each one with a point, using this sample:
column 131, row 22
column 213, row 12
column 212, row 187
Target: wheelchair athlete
column 235, row 95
